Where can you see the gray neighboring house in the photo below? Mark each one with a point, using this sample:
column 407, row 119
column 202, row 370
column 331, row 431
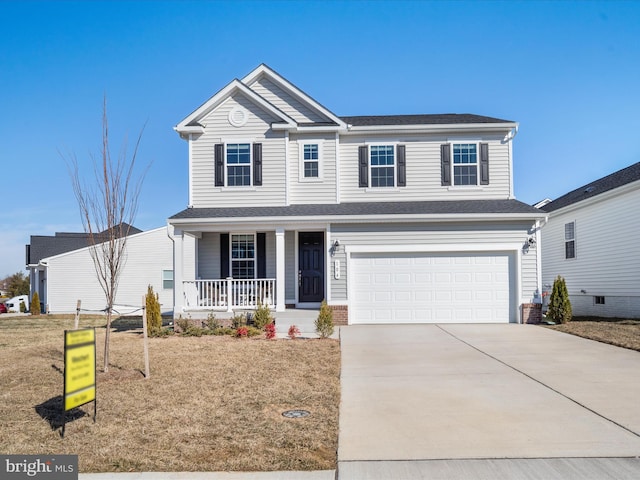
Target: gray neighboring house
column 587, row 240
column 390, row 219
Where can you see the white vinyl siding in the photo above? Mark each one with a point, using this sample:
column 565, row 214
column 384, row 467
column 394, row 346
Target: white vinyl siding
column 72, row 277
column 423, row 171
column 286, row 102
column 219, row 130
column 603, row 265
column 320, row 190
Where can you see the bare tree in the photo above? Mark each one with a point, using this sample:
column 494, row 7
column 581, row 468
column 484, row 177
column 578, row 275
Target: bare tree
column 108, row 206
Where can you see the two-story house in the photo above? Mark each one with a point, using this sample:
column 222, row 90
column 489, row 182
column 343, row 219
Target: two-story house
column 391, row 219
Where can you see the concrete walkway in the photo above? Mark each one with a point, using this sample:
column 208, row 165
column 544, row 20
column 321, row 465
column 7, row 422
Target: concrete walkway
column 455, row 401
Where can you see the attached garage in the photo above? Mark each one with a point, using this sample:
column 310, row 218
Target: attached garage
column 468, row 287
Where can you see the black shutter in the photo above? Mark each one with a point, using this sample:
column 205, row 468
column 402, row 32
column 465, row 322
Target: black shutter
column 261, row 251
column 402, row 166
column 219, row 164
column 363, row 166
column 224, row 255
column 445, row 162
column 257, row 164
column 484, row 164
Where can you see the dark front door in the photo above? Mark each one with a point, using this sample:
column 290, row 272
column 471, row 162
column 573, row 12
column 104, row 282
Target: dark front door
column 311, row 266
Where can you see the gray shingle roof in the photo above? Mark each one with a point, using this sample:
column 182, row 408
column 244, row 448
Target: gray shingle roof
column 44, row 246
column 462, row 207
column 604, row 184
column 437, row 119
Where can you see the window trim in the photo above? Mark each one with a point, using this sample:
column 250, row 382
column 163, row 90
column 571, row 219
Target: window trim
column 476, row 164
column 226, row 164
column 301, row 145
column 393, row 146
column 255, row 253
column 572, row 239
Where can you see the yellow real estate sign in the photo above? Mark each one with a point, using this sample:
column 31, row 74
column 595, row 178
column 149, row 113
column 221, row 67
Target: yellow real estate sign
column 79, row 367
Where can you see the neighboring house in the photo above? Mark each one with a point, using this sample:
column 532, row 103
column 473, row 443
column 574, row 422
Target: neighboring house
column 587, row 240
column 62, row 269
column 391, row 219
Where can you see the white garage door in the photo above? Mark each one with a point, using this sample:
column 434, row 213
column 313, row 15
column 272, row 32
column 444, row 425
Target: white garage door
column 430, row 288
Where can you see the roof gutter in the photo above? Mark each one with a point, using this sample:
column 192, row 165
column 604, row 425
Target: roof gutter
column 391, row 218
column 487, row 127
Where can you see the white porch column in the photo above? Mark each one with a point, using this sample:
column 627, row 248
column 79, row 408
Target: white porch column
column 178, row 260
column 280, row 283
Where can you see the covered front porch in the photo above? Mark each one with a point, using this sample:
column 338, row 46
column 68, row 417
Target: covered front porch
column 227, row 268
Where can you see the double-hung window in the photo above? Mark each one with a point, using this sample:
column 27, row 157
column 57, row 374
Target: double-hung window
column 310, row 161
column 238, row 164
column 167, row 279
column 243, row 256
column 570, row 240
column 382, row 159
column 465, row 164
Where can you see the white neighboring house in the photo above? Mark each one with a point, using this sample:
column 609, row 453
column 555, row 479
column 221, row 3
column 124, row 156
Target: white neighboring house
column 589, row 240
column 65, row 278
column 391, row 219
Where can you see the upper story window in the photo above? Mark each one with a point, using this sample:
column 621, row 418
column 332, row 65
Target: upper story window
column 310, row 161
column 238, row 164
column 382, row 166
column 469, row 165
column 570, row 240
column 243, row 256
column 465, row 164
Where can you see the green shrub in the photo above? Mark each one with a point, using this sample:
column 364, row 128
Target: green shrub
column 35, row 304
column 239, row 320
column 262, row 316
column 212, row 323
column 223, row 331
column 154, row 316
column 324, row 322
column 188, row 329
column 559, row 303
column 23, row 307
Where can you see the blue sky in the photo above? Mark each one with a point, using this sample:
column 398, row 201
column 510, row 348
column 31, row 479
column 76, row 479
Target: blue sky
column 568, row 72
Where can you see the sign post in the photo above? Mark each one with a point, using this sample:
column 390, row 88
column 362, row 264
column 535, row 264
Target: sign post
column 79, row 370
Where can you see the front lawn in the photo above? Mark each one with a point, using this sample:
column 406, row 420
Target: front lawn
column 211, row 404
column 615, row 331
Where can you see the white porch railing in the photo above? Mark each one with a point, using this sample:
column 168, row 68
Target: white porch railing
column 228, row 294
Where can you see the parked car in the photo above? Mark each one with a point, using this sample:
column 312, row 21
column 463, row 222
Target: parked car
column 3, row 308
column 13, row 304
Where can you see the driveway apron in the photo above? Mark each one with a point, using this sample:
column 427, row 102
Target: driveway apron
column 433, row 392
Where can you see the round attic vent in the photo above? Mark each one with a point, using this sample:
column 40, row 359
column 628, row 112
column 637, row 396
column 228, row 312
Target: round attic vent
column 238, row 116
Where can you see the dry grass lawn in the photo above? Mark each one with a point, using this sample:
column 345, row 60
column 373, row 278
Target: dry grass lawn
column 211, row 404
column 615, row 331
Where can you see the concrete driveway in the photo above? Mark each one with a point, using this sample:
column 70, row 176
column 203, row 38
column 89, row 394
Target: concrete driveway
column 420, row 400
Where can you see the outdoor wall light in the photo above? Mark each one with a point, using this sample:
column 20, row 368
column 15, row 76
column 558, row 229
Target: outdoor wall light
column 336, row 244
